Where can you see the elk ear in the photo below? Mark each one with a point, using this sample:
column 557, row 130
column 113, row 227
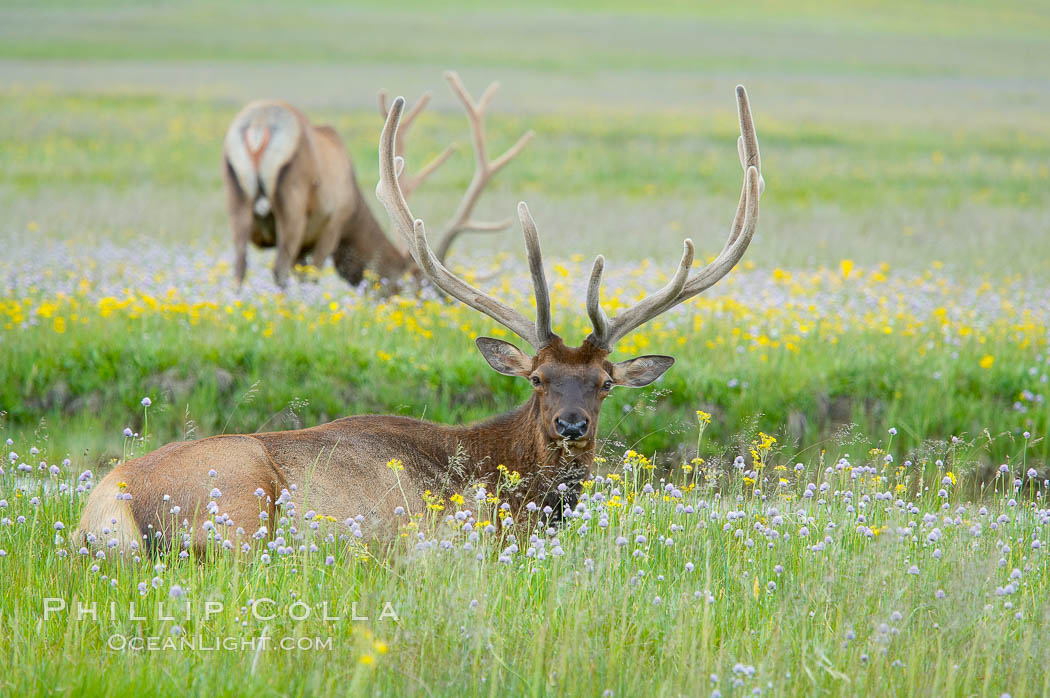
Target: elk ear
column 504, row 356
column 640, row 371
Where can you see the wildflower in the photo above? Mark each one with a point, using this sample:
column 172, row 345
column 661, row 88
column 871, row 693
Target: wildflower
column 395, row 464
column 146, row 402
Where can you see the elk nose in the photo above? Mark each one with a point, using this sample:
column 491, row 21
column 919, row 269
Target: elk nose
column 572, row 428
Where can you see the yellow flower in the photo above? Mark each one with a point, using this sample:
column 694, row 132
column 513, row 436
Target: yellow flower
column 367, row 659
column 395, row 464
column 703, row 417
column 512, row 479
column 456, row 498
column 433, row 502
column 986, row 361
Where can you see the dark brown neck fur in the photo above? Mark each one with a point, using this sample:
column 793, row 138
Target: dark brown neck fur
column 513, row 440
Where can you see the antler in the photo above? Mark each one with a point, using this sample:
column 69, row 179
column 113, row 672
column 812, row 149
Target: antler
column 484, row 169
column 409, row 183
column 538, row 333
column 681, row 287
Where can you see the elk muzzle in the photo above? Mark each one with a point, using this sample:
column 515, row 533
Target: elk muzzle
column 571, row 425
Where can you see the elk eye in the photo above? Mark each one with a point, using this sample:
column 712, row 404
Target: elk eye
column 607, row 385
column 536, row 380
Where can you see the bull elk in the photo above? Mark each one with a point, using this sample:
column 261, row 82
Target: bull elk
column 341, row 469
column 291, row 185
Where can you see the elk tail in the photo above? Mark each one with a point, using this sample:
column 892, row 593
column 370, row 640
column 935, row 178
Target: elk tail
column 256, row 138
column 260, row 143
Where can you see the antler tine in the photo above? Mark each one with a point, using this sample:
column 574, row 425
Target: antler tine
column 681, row 287
column 388, row 190
column 745, row 220
column 643, row 311
column 734, row 250
column 544, row 333
column 747, row 149
column 470, row 296
column 409, row 183
column 599, row 320
column 408, row 118
column 484, row 169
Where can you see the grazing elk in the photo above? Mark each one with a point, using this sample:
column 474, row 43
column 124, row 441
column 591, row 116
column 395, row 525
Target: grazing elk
column 341, row 469
column 291, row 184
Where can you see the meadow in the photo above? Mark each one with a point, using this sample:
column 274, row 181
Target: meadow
column 837, row 489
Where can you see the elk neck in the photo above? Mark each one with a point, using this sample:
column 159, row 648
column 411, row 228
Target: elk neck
column 365, row 240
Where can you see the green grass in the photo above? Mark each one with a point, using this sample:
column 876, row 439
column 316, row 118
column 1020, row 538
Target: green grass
column 78, row 388
column 148, row 167
column 841, row 592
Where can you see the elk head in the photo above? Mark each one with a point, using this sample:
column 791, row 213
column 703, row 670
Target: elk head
column 570, row 383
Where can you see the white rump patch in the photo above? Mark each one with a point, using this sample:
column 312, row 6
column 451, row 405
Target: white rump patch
column 249, row 132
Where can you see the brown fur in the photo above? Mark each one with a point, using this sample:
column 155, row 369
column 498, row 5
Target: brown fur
column 340, row 469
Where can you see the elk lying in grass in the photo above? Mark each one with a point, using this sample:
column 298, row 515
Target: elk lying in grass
column 341, row 469
column 291, row 185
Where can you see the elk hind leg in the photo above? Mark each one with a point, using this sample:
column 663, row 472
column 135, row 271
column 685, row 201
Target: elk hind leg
column 242, row 224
